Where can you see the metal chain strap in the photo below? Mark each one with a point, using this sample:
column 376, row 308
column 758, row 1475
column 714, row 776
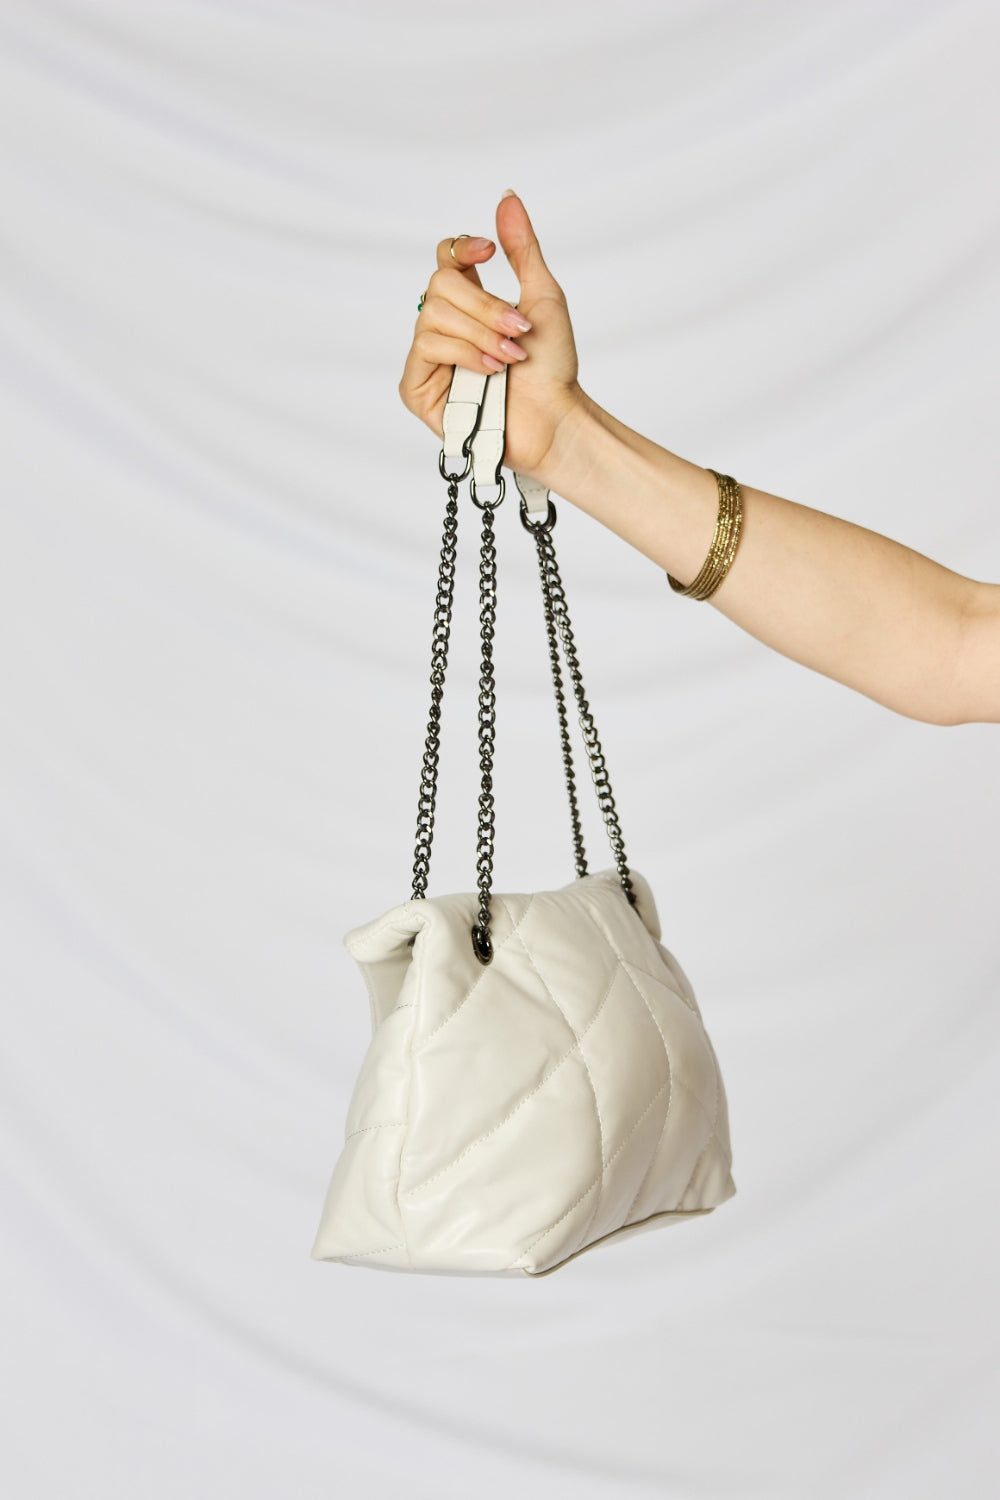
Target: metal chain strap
column 558, row 629
column 439, row 662
column 487, row 734
column 579, row 852
column 555, row 597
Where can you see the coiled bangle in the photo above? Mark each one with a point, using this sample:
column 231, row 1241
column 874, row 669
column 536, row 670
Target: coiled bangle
column 728, row 528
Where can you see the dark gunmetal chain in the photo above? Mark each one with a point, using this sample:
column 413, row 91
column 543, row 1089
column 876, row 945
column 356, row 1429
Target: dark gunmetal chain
column 558, row 628
column 439, row 662
column 579, row 852
column 481, row 940
column 556, row 599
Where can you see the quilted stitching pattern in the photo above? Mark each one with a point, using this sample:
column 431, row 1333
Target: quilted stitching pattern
column 578, row 1042
column 522, row 1101
column 523, row 1111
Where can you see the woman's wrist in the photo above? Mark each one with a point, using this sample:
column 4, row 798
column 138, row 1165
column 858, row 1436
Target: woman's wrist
column 572, row 444
column 659, row 503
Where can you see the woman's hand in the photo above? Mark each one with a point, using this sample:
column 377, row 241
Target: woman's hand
column 461, row 324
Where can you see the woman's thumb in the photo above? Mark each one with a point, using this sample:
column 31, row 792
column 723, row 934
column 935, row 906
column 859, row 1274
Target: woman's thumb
column 521, row 247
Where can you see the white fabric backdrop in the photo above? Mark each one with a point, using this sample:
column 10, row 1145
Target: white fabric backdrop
column 776, row 227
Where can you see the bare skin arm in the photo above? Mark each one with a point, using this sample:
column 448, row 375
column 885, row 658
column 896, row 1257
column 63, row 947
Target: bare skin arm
column 858, row 607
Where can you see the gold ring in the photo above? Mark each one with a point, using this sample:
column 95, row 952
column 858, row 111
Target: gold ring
column 420, row 304
column 451, row 247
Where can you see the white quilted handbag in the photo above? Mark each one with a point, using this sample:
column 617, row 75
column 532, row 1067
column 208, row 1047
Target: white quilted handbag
column 539, row 1077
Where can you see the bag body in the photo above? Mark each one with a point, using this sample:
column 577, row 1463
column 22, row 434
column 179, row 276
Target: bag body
column 507, row 1117
column 539, row 1077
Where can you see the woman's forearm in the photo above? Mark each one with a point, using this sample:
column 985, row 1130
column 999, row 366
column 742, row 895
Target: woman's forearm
column 840, row 599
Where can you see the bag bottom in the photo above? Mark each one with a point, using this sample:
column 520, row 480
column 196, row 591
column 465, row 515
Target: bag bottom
column 655, row 1221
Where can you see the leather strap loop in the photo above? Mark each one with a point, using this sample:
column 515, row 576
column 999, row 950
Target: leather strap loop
column 461, row 418
column 474, row 421
column 535, row 496
column 489, row 439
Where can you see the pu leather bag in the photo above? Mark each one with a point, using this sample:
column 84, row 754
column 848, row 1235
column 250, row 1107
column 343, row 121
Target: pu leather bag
column 539, row 1077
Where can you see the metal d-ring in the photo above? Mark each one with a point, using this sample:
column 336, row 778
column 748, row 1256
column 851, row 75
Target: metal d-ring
column 455, row 478
column 545, row 525
column 487, row 504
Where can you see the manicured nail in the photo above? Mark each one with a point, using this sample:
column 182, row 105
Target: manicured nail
column 512, row 349
column 493, row 364
column 478, row 243
column 508, row 193
column 514, row 322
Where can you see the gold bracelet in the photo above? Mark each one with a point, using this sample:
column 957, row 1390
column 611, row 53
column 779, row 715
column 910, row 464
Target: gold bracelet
column 728, row 528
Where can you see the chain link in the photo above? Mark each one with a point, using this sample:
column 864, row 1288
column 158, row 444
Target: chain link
column 487, row 734
column 555, row 599
column 439, row 662
column 579, row 852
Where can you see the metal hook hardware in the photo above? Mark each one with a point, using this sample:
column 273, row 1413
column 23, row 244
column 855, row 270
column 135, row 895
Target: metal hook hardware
column 545, row 524
column 455, row 478
column 488, row 504
column 482, row 945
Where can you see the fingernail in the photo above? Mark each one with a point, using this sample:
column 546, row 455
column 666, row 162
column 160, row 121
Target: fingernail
column 512, row 349
column 493, row 364
column 478, row 243
column 508, row 193
column 514, row 322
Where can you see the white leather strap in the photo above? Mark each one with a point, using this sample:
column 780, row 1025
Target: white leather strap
column 534, row 494
column 461, row 416
column 488, row 442
column 474, row 420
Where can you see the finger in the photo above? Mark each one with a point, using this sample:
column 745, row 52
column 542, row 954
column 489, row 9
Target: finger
column 521, row 247
column 470, row 251
column 430, row 351
column 441, row 316
column 448, row 288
